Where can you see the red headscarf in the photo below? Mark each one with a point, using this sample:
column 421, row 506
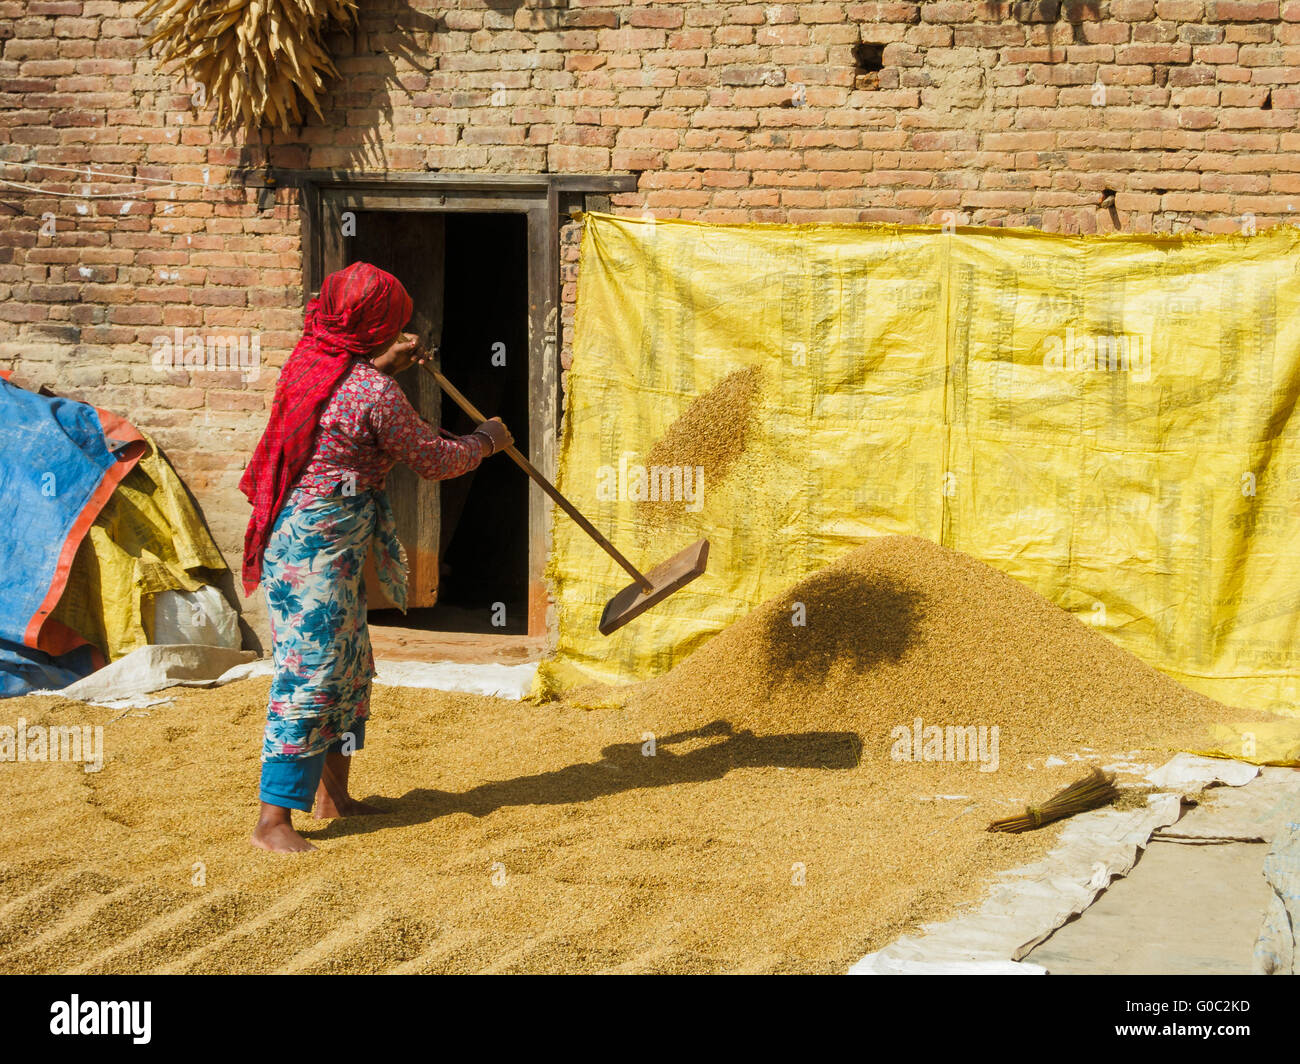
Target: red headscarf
column 358, row 309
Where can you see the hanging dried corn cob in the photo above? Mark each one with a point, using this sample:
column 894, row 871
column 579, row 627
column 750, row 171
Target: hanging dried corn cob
column 256, row 59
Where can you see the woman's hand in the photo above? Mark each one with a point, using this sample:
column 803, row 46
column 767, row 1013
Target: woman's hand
column 497, row 435
column 400, row 354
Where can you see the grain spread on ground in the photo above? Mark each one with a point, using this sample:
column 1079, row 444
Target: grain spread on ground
column 775, row 828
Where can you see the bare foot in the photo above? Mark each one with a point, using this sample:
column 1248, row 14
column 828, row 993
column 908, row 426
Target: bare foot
column 279, row 838
column 328, row 808
column 332, row 798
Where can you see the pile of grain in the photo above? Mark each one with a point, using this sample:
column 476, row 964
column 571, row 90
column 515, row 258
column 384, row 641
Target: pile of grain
column 770, row 831
column 903, row 628
column 710, row 437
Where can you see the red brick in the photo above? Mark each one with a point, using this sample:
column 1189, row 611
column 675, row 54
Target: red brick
column 1153, row 53
column 948, row 11
column 1243, row 10
column 659, row 18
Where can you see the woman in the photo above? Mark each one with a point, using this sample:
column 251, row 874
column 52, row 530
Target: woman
column 339, row 423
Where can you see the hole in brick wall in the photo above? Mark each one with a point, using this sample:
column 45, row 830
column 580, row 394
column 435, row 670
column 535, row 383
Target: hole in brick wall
column 1108, row 197
column 1267, row 105
column 869, row 58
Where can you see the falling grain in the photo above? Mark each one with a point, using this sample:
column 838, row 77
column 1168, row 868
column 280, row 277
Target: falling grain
column 709, row 438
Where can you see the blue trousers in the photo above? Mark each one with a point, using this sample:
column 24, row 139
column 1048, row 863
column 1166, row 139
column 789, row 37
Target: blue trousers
column 292, row 784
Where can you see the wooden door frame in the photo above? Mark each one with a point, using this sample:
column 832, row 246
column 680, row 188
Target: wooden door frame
column 545, row 200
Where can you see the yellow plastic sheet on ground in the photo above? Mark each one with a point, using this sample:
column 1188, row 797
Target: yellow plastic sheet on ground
column 1110, row 420
column 148, row 538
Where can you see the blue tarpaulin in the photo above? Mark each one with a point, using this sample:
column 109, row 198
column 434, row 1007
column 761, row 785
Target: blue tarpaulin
column 60, row 460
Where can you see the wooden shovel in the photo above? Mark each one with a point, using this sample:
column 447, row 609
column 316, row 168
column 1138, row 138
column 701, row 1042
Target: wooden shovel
column 648, row 589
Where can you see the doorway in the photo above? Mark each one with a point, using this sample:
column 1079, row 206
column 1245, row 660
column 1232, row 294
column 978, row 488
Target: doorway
column 483, row 542
column 476, row 222
column 467, row 538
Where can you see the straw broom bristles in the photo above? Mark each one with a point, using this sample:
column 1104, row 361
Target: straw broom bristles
column 257, row 59
column 1095, row 790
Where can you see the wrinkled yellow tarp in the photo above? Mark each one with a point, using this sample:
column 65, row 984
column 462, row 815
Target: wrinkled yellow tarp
column 147, row 539
column 1107, row 419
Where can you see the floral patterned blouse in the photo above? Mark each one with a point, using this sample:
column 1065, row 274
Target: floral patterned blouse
column 368, row 427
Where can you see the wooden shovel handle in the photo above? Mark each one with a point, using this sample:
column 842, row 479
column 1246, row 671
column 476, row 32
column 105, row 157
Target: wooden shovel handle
column 546, row 486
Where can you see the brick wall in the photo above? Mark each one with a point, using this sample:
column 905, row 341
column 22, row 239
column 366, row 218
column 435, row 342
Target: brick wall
column 1140, row 115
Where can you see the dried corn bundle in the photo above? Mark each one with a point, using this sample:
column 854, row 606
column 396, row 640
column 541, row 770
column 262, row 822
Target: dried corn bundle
column 1091, row 792
column 256, row 59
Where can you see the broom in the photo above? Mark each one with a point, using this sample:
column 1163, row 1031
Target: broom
column 1095, row 790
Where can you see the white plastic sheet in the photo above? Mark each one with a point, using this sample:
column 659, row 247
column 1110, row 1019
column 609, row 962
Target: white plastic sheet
column 201, row 617
column 129, row 680
column 153, row 668
column 1277, row 951
column 1026, row 905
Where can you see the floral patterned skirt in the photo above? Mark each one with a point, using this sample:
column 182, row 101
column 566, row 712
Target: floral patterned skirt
column 316, row 596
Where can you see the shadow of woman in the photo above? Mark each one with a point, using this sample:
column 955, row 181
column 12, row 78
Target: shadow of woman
column 622, row 767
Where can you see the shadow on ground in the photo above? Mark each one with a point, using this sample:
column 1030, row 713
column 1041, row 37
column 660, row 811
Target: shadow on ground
column 622, row 767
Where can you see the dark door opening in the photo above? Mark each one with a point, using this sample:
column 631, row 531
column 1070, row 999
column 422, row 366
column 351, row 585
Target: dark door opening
column 484, row 352
column 482, row 528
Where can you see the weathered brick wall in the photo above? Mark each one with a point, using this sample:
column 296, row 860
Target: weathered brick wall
column 1141, row 115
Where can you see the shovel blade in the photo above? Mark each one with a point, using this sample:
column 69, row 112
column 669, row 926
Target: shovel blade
column 667, row 577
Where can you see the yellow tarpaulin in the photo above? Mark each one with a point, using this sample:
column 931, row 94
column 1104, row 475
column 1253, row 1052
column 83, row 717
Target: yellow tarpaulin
column 147, row 539
column 1107, row 419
